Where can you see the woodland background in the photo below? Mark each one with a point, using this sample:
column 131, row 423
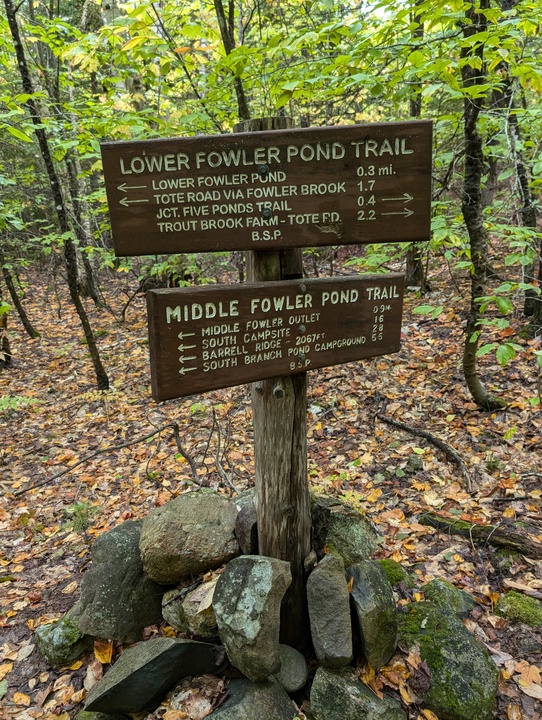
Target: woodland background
column 74, row 383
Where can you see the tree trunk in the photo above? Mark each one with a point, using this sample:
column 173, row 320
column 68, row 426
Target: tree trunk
column 279, row 408
column 30, row 329
column 471, row 205
column 69, row 248
column 415, row 271
column 227, row 32
column 5, row 349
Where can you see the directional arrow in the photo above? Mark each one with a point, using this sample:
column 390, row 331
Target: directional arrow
column 183, row 371
column 126, row 202
column 125, row 188
column 406, row 198
column 183, row 335
column 406, row 212
column 186, row 347
column 184, row 358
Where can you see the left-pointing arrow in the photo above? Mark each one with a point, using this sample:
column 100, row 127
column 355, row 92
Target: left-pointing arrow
column 124, row 201
column 185, row 358
column 124, row 188
column 183, row 370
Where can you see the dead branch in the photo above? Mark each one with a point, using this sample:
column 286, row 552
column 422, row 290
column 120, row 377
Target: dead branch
column 112, row 448
column 450, row 453
column 494, row 535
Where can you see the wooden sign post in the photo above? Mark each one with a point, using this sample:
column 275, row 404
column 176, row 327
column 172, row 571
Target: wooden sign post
column 272, row 189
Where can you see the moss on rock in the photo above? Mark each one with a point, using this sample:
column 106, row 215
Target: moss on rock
column 463, row 676
column 396, row 573
column 445, row 595
column 521, row 608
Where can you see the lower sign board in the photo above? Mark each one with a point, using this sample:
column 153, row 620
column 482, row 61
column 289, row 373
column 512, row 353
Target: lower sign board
column 214, row 337
column 297, row 188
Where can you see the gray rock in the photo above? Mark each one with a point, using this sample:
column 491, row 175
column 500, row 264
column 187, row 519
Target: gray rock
column 343, row 530
column 86, row 715
column 117, row 600
column 62, row 642
column 247, row 607
column 246, row 530
column 329, row 612
column 463, row 676
column 293, row 673
column 247, row 701
column 144, row 673
column 192, row 613
column 372, row 597
column 340, row 695
column 188, row 535
column 446, row 596
column 396, row 574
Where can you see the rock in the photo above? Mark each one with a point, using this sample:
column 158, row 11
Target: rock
column 415, row 462
column 246, row 530
column 117, row 600
column 86, row 715
column 520, row 608
column 247, row 607
column 188, row 535
column 329, row 612
column 343, row 530
column 293, row 673
column 247, row 701
column 372, row 597
column 463, row 676
column 144, row 673
column 62, row 642
column 192, row 613
column 396, row 574
column 340, row 695
column 446, row 596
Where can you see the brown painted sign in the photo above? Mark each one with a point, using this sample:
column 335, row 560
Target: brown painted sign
column 281, row 188
column 214, row 337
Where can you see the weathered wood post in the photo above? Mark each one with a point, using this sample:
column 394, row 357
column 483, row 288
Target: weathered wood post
column 279, row 410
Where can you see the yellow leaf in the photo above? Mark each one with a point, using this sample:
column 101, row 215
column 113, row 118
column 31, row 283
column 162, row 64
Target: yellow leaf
column 20, row 698
column 405, row 695
column 428, row 715
column 78, row 664
column 513, row 712
column 78, row 696
column 5, row 668
column 69, row 589
column 509, row 513
column 11, row 613
column 350, row 584
column 103, row 651
column 374, row 495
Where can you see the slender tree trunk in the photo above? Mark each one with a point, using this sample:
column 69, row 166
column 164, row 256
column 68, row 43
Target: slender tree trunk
column 5, row 349
column 471, row 205
column 227, row 32
column 70, row 258
column 30, row 329
column 415, row 271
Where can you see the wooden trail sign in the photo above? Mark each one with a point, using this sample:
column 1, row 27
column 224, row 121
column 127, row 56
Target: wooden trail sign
column 272, row 189
column 214, row 337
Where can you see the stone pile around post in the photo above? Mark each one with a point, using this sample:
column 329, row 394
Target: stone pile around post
column 144, row 572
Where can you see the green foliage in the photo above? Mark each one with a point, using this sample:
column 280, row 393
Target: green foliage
column 10, row 403
column 80, row 515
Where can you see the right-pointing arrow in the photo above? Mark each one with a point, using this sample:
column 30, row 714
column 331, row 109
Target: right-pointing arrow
column 406, row 212
column 406, row 198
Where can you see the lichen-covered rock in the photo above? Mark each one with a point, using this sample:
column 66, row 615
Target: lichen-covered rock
column 89, row 715
column 340, row 695
column 463, row 676
column 247, row 701
column 342, row 530
column 117, row 600
column 62, row 642
column 190, row 534
column 396, row 573
column 329, row 612
column 293, row 673
column 144, row 673
column 521, row 608
column 372, row 598
column 193, row 612
column 247, row 602
column 445, row 595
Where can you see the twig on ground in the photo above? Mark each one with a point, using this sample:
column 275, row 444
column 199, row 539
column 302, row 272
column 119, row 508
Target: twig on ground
column 111, row 448
column 450, row 453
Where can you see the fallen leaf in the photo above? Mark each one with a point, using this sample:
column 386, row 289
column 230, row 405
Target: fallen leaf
column 103, row 651
column 62, row 682
column 534, row 691
column 513, row 712
column 25, row 652
column 5, row 668
column 94, row 673
column 42, row 695
column 20, row 698
column 427, row 715
column 69, row 589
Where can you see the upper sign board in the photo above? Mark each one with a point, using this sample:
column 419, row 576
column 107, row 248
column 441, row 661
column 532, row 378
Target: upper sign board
column 212, row 337
column 280, row 188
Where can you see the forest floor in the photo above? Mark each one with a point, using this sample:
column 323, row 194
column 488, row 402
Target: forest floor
column 389, row 474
